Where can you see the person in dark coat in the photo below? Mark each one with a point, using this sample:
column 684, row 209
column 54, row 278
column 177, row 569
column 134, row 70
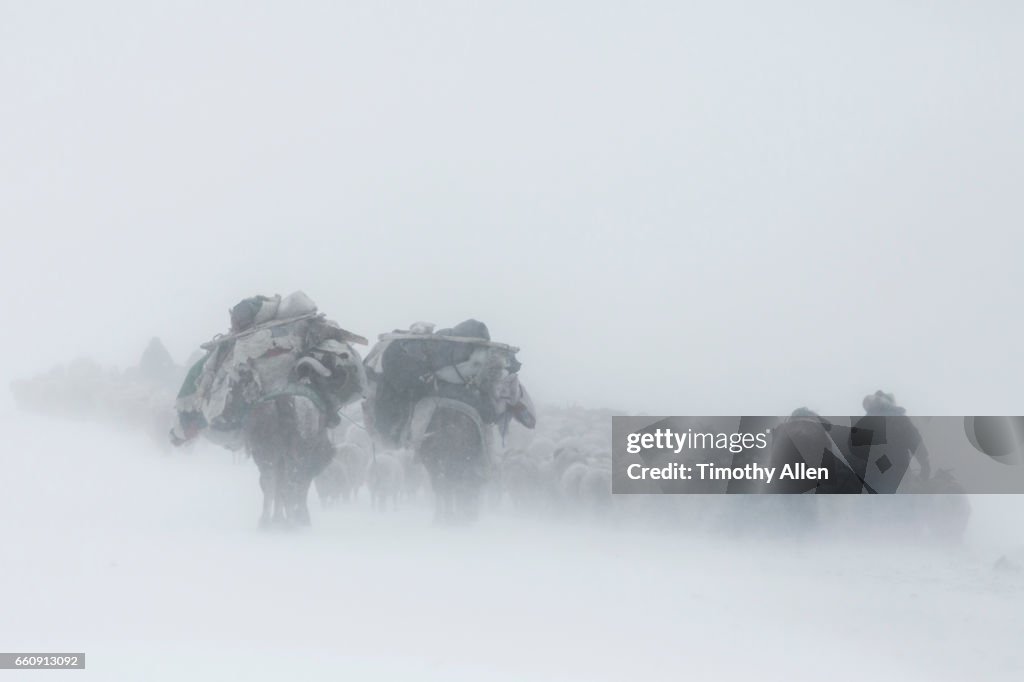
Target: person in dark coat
column 883, row 442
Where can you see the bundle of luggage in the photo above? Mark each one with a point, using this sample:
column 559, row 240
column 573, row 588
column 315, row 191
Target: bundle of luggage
column 460, row 363
column 276, row 346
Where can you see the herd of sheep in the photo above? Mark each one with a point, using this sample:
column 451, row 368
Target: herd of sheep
column 561, row 469
column 561, row 466
column 551, row 469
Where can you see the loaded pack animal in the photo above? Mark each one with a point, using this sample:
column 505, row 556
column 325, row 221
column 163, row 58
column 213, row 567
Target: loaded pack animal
column 274, row 385
column 441, row 395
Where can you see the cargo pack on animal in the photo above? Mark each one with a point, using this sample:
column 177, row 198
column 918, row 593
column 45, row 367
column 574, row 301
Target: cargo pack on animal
column 442, row 394
column 274, row 385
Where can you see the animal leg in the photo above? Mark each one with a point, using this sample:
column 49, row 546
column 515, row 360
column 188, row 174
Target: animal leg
column 302, row 503
column 280, row 498
column 268, row 484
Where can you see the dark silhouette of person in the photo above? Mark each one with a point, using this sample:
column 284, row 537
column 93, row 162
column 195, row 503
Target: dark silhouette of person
column 883, row 442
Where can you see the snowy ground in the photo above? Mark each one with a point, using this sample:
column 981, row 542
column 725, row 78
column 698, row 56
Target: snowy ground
column 151, row 563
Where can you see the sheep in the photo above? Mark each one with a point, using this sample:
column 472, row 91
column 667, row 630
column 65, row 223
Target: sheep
column 595, row 488
column 333, row 483
column 522, row 479
column 541, row 449
column 356, row 460
column 587, row 485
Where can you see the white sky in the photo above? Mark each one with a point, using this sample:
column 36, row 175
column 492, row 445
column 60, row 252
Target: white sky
column 715, row 207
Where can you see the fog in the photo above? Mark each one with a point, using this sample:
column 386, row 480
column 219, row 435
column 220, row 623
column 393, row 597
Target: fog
column 673, row 208
column 703, row 190
column 152, row 566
